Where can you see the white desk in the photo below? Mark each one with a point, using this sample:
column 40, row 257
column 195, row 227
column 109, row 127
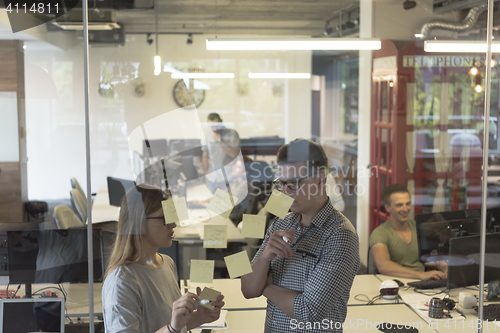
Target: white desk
column 231, row 289
column 365, row 318
column 365, row 284
column 102, row 211
column 249, row 321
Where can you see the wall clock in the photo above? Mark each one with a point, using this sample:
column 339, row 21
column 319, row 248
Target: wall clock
column 184, row 96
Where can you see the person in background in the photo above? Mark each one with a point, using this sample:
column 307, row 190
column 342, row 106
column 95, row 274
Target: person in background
column 308, row 260
column 223, row 146
column 140, row 291
column 393, row 244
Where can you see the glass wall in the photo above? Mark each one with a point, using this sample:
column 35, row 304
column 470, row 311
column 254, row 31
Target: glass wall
column 394, row 115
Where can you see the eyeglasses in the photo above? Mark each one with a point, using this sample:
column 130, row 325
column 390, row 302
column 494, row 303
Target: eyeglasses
column 157, row 218
column 292, row 184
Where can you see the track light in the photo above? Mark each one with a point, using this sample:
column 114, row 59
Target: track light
column 189, row 40
column 149, row 40
column 409, row 4
column 328, row 30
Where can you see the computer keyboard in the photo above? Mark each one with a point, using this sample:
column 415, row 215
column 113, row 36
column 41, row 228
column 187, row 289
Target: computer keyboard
column 491, row 312
column 428, row 284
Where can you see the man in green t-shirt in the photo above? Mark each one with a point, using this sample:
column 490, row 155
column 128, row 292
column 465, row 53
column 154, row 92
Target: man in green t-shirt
column 393, row 244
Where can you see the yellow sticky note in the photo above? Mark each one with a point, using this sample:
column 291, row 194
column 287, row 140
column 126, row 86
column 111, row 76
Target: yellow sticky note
column 215, row 236
column 209, row 294
column 253, row 226
column 175, row 210
column 279, row 204
column 202, row 271
column 238, row 264
column 222, row 203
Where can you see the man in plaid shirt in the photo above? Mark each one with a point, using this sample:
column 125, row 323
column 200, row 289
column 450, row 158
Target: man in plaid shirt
column 308, row 260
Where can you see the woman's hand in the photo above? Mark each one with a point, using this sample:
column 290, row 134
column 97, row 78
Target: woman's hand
column 182, row 310
column 206, row 315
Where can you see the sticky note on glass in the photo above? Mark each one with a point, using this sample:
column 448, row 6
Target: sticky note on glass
column 214, row 236
column 222, row 203
column 209, row 294
column 238, row 264
column 253, row 226
column 279, row 204
column 175, row 210
column 202, row 271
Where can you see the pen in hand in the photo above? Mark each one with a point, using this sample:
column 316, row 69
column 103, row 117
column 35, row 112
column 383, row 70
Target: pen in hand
column 287, row 240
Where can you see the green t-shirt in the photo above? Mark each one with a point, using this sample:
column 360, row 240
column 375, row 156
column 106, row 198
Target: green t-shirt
column 404, row 254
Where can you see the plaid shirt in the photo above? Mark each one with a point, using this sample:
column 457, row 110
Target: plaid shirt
column 325, row 261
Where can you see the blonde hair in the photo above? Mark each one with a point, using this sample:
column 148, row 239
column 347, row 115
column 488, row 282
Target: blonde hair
column 140, row 201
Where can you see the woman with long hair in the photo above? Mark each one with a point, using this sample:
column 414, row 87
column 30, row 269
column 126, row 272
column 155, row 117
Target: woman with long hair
column 140, row 291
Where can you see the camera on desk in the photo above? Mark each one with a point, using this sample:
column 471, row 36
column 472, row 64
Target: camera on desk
column 389, row 289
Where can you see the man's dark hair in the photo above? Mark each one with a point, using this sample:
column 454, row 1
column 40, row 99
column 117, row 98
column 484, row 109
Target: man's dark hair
column 214, row 116
column 389, row 190
column 302, row 150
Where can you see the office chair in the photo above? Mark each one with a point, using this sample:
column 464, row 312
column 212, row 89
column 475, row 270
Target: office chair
column 79, row 204
column 65, row 218
column 75, row 184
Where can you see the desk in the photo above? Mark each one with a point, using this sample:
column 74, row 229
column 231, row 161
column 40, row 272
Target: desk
column 231, row 289
column 249, row 321
column 366, row 284
column 102, row 211
column 365, row 318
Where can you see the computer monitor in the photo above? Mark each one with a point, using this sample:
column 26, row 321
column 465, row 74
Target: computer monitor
column 117, row 188
column 24, row 315
column 434, row 230
column 463, row 262
column 56, row 256
column 154, row 148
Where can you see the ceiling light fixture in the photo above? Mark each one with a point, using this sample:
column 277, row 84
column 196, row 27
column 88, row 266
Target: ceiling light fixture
column 279, row 75
column 157, row 58
column 202, row 76
column 457, row 46
column 91, row 25
column 294, row 44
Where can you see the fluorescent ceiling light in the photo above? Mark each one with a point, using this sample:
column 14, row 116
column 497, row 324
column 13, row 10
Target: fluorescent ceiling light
column 91, row 25
column 279, row 75
column 294, row 44
column 459, row 46
column 202, row 75
column 157, row 64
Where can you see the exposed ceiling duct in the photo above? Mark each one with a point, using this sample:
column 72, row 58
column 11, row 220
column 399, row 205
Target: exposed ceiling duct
column 468, row 23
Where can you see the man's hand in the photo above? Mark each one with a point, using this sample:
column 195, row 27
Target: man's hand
column 438, row 275
column 276, row 246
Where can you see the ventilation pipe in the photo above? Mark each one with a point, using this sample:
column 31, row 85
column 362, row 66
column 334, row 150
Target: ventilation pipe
column 468, row 22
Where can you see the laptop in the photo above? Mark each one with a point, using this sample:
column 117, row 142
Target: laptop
column 25, row 315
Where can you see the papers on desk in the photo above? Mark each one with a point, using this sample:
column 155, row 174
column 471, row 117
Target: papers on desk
column 219, row 324
column 419, row 302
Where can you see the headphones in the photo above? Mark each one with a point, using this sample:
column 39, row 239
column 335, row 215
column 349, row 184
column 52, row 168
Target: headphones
column 448, row 303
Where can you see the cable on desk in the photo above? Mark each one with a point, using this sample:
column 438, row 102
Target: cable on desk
column 7, row 291
column 18, row 287
column 430, row 293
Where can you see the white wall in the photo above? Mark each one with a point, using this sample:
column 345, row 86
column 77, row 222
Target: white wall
column 55, row 124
